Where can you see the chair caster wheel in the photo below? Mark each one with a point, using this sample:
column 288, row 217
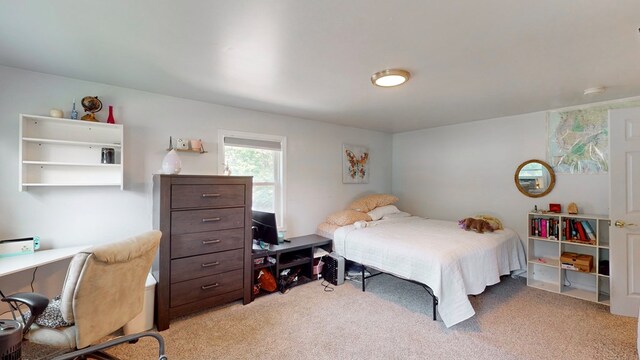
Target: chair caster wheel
column 163, row 358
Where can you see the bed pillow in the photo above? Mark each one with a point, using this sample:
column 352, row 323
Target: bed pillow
column 379, row 212
column 370, row 202
column 326, row 230
column 347, row 217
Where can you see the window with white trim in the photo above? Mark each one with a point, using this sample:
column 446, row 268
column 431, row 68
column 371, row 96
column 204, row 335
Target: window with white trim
column 261, row 156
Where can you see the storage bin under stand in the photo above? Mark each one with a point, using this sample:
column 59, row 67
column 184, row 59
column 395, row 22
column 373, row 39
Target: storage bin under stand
column 10, row 340
column 144, row 320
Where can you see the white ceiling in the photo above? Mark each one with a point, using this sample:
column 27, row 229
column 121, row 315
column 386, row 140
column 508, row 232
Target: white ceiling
column 469, row 60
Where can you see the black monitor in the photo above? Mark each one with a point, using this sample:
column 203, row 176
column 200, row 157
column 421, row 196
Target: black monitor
column 264, row 227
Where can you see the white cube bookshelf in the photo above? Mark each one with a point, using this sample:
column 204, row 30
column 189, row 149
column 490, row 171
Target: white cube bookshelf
column 544, row 270
column 63, row 152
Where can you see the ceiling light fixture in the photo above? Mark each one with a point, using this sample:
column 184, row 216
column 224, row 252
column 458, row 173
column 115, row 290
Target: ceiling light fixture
column 595, row 90
column 390, row 77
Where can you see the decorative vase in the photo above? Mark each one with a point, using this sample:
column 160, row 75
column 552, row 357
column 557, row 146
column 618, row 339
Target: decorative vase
column 110, row 119
column 74, row 112
column 171, row 163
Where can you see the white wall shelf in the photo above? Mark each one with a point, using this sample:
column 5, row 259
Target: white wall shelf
column 544, row 269
column 69, row 184
column 201, row 151
column 63, row 152
column 67, row 142
column 52, row 163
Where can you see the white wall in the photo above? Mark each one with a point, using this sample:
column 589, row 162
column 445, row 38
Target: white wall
column 77, row 215
column 457, row 171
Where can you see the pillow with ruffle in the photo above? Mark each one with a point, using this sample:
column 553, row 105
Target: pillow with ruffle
column 347, row 217
column 370, row 202
column 379, row 212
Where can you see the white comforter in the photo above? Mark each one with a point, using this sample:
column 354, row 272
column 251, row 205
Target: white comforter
column 454, row 263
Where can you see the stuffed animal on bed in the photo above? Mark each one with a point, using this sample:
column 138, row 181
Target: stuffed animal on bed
column 480, row 226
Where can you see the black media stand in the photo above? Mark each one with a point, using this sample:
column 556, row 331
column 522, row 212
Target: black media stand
column 296, row 254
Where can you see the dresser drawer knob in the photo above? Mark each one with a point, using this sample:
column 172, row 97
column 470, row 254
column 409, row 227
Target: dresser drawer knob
column 207, row 287
column 211, row 264
column 210, row 219
column 210, row 195
column 208, row 242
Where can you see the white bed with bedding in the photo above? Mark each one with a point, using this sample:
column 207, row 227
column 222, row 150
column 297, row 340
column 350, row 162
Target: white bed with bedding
column 452, row 262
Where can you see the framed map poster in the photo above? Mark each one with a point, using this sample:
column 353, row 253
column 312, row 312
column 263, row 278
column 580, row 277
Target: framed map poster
column 578, row 138
column 355, row 164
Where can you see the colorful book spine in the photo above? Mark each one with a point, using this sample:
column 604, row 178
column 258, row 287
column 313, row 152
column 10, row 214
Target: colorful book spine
column 588, row 230
column 534, row 230
column 581, row 233
column 547, row 228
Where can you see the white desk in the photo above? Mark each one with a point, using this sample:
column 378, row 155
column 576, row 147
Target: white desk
column 14, row 264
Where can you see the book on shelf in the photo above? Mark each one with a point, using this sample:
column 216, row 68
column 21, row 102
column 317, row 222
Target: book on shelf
column 545, row 228
column 581, row 233
column 533, row 227
column 588, row 230
column 574, row 232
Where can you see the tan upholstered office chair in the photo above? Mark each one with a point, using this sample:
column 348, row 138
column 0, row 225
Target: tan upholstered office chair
column 103, row 290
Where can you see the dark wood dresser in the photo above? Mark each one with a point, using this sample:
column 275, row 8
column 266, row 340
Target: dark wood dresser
column 205, row 250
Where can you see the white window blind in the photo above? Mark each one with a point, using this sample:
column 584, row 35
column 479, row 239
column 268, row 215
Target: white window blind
column 262, row 157
column 252, row 143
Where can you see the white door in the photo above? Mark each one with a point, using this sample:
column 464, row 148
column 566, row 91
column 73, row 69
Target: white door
column 624, row 205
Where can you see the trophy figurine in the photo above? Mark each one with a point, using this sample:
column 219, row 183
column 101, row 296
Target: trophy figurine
column 91, row 105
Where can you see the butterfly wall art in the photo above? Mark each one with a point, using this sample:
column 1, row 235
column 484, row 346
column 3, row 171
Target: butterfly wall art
column 355, row 164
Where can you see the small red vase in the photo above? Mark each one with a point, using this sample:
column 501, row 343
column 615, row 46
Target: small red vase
column 110, row 119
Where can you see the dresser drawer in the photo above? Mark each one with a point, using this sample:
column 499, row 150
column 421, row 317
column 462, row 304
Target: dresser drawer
column 193, row 221
column 204, row 265
column 202, row 288
column 197, row 196
column 206, row 242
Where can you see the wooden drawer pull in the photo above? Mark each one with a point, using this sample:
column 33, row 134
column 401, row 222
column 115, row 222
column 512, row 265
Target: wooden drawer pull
column 208, row 242
column 211, row 264
column 207, row 287
column 210, row 195
column 211, row 219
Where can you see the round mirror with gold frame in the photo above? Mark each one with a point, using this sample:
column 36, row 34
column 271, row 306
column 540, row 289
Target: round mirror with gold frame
column 535, row 178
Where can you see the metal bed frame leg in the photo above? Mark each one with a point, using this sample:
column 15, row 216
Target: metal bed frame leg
column 427, row 288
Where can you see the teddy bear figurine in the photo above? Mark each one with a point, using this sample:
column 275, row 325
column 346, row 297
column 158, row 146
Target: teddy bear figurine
column 480, row 226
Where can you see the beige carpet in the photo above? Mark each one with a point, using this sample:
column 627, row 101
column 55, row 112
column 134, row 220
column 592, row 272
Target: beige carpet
column 392, row 320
